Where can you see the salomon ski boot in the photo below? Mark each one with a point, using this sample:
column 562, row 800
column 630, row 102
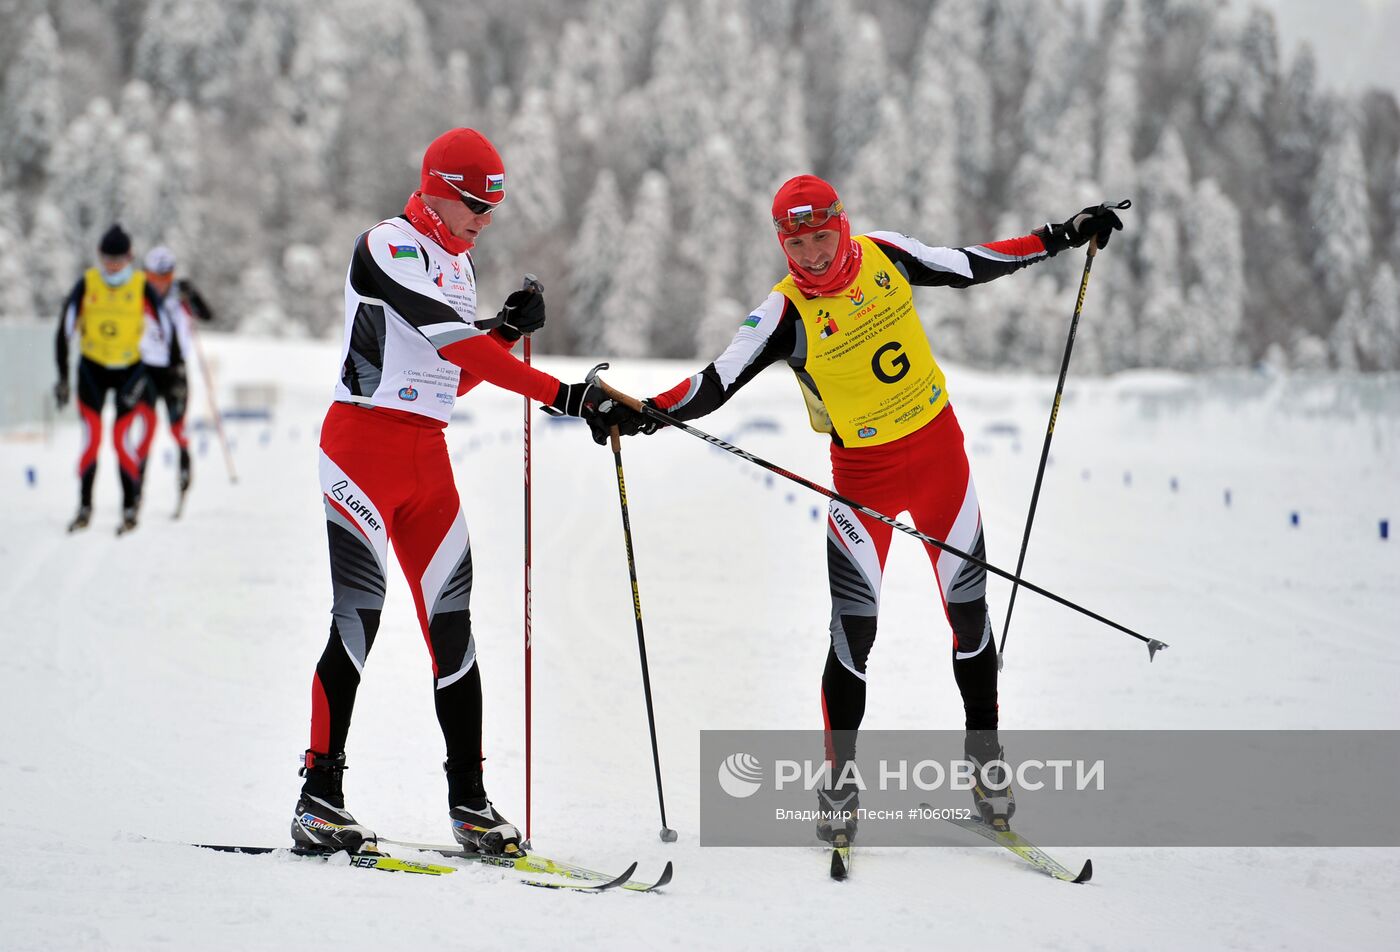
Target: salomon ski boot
column 476, row 824
column 991, row 790
column 321, row 820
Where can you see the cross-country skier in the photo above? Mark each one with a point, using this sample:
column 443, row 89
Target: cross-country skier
column 844, row 320
column 415, row 342
column 164, row 351
column 110, row 309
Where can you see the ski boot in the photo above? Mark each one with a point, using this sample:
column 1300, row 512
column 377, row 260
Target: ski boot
column 992, row 795
column 837, row 814
column 321, row 821
column 184, row 470
column 81, row 520
column 476, row 824
column 128, row 520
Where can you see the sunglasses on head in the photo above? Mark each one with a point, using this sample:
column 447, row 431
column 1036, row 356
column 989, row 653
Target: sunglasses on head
column 806, row 217
column 475, row 205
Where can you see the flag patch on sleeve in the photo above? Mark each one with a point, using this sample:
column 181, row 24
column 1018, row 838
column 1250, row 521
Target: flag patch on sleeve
column 403, row 251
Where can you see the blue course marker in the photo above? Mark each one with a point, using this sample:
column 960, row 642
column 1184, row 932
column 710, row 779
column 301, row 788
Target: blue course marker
column 1385, row 527
column 1293, row 518
column 31, row 477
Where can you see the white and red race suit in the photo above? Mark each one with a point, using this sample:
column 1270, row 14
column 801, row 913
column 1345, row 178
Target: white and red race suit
column 413, row 344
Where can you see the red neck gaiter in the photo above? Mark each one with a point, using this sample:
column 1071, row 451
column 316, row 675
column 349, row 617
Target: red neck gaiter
column 427, row 221
column 809, row 190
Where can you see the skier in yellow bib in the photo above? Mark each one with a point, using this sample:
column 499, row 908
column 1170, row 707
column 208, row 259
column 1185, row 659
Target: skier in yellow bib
column 844, row 320
column 109, row 310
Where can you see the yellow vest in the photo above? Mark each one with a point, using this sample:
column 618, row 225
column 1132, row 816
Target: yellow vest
column 111, row 320
column 870, row 376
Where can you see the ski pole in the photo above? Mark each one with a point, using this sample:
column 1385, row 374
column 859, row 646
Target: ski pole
column 531, row 284
column 1153, row 645
column 213, row 405
column 1050, row 430
column 667, row 834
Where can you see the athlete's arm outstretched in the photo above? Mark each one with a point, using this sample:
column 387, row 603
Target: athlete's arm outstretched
column 766, row 335
column 959, row 267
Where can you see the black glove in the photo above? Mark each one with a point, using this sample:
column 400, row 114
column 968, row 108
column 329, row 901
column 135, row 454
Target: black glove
column 61, row 393
column 574, row 398
column 523, row 313
column 194, row 300
column 1097, row 220
column 629, row 422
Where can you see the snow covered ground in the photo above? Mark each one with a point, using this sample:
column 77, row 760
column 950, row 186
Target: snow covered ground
column 154, row 689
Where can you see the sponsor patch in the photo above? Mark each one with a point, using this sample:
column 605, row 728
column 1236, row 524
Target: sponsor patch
column 408, row 393
column 865, row 432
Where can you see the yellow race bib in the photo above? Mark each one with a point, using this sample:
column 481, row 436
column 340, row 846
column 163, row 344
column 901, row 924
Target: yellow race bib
column 869, row 376
column 112, row 320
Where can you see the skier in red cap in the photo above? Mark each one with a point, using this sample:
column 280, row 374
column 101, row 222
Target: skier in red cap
column 415, row 342
column 844, row 320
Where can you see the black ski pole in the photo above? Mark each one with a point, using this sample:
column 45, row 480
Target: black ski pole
column 1050, row 431
column 667, row 834
column 1153, row 645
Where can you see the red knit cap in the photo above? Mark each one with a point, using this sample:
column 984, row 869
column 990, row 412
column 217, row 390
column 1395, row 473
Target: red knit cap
column 466, row 159
column 808, row 195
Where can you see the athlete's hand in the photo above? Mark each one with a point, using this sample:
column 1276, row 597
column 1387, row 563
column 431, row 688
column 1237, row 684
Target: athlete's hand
column 1096, row 220
column 61, row 393
column 578, row 399
column 523, row 313
column 630, row 422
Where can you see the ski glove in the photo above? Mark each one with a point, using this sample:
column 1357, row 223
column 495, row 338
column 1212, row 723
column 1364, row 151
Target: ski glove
column 523, row 313
column 630, row 422
column 61, row 393
column 1095, row 220
column 579, row 399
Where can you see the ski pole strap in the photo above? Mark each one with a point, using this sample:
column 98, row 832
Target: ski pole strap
column 1153, row 645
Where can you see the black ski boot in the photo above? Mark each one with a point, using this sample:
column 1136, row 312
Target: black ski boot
column 475, row 823
column 837, row 814
column 128, row 520
column 81, row 520
column 321, row 820
column 991, row 792
column 184, row 470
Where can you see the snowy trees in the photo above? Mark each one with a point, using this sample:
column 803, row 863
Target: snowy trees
column 185, row 49
column 256, row 138
column 590, row 263
column 635, row 302
column 31, row 116
column 1339, row 211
